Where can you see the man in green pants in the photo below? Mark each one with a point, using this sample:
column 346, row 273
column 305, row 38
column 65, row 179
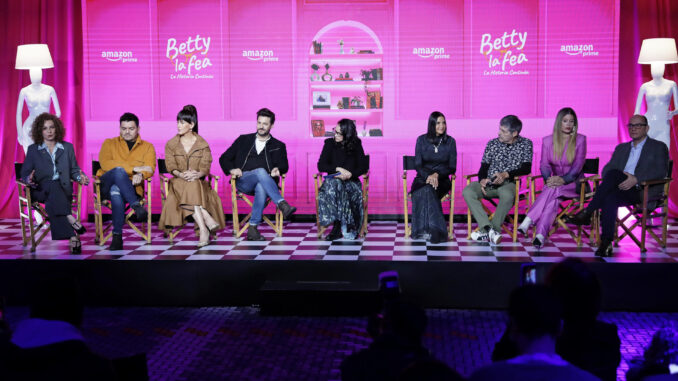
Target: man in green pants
column 507, row 156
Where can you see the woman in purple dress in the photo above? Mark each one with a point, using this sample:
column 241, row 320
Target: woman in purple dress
column 562, row 158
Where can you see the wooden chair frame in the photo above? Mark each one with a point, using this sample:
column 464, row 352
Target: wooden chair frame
column 318, row 182
column 520, row 195
column 240, row 226
column 104, row 232
column 27, row 206
column 165, row 178
column 644, row 215
column 408, row 165
column 571, row 206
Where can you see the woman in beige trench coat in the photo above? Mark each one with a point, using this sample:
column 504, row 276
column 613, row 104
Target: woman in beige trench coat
column 188, row 158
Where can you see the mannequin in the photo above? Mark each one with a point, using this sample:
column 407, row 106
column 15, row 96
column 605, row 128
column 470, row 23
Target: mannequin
column 657, row 94
column 38, row 97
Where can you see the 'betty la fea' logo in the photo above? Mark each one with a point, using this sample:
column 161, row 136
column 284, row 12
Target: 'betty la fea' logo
column 265, row 55
column 435, row 53
column 189, row 57
column 504, row 54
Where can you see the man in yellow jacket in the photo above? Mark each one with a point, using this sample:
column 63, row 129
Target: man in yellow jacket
column 125, row 161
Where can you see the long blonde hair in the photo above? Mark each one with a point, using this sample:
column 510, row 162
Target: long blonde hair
column 558, row 142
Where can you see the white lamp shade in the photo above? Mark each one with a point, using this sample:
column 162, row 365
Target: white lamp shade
column 33, row 56
column 658, row 50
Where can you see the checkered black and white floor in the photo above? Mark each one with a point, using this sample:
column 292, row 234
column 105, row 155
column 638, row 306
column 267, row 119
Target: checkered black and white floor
column 385, row 241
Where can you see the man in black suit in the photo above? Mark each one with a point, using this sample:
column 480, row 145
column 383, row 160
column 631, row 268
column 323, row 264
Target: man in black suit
column 641, row 159
column 254, row 160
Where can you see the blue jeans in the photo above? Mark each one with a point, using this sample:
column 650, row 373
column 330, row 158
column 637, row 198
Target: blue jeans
column 259, row 183
column 117, row 187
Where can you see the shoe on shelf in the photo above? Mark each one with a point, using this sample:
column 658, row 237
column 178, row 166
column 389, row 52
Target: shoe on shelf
column 253, row 234
column 581, row 218
column 335, row 234
column 605, row 248
column 75, row 245
column 116, row 242
column 494, row 236
column 286, row 209
column 479, row 236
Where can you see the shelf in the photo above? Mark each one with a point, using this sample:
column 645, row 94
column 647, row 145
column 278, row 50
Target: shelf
column 344, row 84
column 347, row 55
column 346, row 110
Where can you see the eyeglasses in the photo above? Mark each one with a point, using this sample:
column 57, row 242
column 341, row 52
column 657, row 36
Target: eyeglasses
column 636, row 125
column 337, row 133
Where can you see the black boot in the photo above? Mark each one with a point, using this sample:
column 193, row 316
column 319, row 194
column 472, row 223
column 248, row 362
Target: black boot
column 253, row 234
column 581, row 218
column 286, row 209
column 335, row 233
column 116, row 242
column 605, row 248
column 75, row 245
column 140, row 213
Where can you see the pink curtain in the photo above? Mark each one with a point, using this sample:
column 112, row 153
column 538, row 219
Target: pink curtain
column 59, row 25
column 641, row 19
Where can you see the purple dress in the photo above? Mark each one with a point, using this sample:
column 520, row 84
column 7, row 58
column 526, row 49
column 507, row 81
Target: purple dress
column 545, row 208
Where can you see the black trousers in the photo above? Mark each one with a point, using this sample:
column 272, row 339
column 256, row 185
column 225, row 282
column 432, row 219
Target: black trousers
column 57, row 205
column 609, row 197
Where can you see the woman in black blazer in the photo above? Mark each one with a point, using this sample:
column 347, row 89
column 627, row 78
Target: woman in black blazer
column 435, row 159
column 49, row 167
column 340, row 196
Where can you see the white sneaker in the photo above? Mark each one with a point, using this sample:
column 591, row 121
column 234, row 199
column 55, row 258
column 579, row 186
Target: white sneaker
column 495, row 236
column 525, row 225
column 479, row 236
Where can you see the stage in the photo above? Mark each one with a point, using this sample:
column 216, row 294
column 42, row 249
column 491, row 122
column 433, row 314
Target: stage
column 235, row 272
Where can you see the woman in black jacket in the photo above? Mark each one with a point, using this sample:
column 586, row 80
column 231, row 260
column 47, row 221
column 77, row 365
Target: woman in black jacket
column 435, row 159
column 49, row 167
column 340, row 196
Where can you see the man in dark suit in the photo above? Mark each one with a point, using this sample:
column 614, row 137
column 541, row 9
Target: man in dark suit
column 641, row 159
column 254, row 160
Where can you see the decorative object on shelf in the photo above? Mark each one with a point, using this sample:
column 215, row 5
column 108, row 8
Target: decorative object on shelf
column 346, row 102
column 344, row 77
column 327, row 76
column 321, row 100
column 376, row 132
column 366, row 74
column 318, row 128
column 374, row 99
column 329, row 134
column 377, row 74
column 340, row 105
column 365, row 51
column 357, row 102
column 341, row 46
column 317, row 47
column 364, row 133
column 315, row 77
column 352, row 51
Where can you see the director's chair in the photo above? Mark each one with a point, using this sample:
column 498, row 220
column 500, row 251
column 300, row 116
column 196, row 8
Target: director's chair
column 240, row 226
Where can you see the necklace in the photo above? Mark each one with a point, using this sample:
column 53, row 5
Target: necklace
column 435, row 146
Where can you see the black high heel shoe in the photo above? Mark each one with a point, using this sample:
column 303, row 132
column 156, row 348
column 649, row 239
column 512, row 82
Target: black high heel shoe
column 75, row 245
column 78, row 228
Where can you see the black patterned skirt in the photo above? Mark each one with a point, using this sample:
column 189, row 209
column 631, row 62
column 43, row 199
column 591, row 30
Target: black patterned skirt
column 428, row 221
column 340, row 200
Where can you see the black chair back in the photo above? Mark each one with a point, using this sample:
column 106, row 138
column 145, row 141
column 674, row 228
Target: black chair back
column 162, row 167
column 367, row 157
column 95, row 167
column 17, row 170
column 408, row 163
column 591, row 166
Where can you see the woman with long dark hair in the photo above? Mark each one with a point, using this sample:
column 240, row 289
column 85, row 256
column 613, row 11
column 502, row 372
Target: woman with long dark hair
column 435, row 159
column 188, row 158
column 340, row 196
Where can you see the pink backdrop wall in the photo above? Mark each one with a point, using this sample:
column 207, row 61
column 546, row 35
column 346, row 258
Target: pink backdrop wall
column 475, row 61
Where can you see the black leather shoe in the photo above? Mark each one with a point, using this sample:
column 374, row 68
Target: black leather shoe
column 286, row 209
column 537, row 243
column 140, row 213
column 605, row 248
column 581, row 218
column 253, row 234
column 116, row 242
column 335, row 234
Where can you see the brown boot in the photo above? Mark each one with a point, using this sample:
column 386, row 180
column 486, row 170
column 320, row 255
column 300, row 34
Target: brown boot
column 286, row 209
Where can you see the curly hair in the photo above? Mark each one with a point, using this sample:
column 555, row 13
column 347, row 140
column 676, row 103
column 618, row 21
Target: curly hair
column 39, row 122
